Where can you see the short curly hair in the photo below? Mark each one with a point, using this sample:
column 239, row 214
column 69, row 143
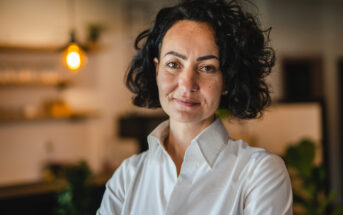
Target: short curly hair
column 244, row 54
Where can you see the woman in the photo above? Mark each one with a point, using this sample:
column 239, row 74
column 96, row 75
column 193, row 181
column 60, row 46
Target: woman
column 200, row 56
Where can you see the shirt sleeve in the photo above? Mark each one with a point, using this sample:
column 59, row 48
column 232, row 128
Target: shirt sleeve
column 269, row 190
column 113, row 198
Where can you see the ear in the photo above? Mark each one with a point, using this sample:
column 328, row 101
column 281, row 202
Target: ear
column 156, row 65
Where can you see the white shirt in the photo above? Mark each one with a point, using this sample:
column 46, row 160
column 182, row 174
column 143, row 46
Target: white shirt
column 218, row 176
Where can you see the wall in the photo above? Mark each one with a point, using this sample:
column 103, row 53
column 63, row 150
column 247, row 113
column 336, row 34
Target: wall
column 281, row 125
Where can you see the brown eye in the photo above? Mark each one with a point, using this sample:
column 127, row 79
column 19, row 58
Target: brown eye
column 208, row 69
column 173, row 65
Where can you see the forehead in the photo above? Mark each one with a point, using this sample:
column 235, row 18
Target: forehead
column 190, row 35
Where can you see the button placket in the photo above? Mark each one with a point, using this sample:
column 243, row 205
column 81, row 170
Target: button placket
column 190, row 165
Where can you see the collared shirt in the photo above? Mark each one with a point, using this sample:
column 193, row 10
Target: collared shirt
column 218, row 176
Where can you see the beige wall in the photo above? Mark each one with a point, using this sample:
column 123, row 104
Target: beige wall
column 281, row 125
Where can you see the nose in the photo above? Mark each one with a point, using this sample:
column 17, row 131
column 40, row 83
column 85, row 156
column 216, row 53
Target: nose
column 188, row 80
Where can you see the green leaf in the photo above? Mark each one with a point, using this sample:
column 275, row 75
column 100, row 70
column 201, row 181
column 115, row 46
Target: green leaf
column 309, row 180
column 323, row 204
column 75, row 199
column 223, row 113
column 301, row 157
column 338, row 210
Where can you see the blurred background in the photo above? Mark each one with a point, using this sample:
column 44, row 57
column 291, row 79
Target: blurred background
column 60, row 122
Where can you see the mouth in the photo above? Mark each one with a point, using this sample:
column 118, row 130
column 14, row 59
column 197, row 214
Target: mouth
column 187, row 102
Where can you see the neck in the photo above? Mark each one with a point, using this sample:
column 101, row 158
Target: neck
column 180, row 137
column 183, row 133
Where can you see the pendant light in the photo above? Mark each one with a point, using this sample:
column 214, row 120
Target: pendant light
column 73, row 53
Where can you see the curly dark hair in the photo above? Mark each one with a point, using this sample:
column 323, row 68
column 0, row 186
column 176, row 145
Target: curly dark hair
column 244, row 55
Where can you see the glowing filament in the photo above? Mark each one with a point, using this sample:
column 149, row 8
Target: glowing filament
column 73, row 57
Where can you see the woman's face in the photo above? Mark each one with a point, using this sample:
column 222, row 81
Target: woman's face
column 188, row 74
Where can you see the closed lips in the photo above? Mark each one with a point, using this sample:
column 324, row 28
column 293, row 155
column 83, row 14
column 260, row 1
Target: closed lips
column 186, row 101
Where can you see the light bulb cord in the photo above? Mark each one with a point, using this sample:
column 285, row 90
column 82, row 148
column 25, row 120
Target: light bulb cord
column 72, row 19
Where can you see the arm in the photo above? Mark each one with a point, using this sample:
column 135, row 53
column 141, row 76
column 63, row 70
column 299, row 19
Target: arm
column 114, row 195
column 269, row 190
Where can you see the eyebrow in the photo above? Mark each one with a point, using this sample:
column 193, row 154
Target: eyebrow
column 184, row 57
column 207, row 57
column 176, row 54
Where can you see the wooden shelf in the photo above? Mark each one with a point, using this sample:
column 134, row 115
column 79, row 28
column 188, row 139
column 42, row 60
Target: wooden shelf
column 21, row 118
column 41, row 187
column 89, row 47
column 35, row 72
column 55, row 83
column 29, row 48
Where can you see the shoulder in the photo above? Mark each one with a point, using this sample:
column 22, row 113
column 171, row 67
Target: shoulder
column 260, row 161
column 254, row 156
column 133, row 162
column 256, row 163
column 267, row 166
column 268, row 187
column 265, row 180
column 126, row 172
column 119, row 184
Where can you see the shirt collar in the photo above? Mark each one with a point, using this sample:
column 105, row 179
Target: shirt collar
column 158, row 135
column 212, row 140
column 208, row 143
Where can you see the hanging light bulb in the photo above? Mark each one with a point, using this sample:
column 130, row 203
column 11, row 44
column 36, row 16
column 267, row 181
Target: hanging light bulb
column 73, row 55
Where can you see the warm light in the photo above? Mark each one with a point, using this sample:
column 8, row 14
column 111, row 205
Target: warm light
column 74, row 60
column 73, row 57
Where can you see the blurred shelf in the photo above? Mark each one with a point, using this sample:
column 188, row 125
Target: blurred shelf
column 30, row 66
column 23, row 84
column 30, row 189
column 6, row 47
column 76, row 116
column 42, row 187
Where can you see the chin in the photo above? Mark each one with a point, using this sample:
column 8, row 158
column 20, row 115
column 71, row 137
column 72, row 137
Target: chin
column 188, row 117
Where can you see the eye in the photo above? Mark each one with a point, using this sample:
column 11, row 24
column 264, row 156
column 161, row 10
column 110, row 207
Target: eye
column 208, row 69
column 173, row 65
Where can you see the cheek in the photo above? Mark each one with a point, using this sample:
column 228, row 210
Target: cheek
column 165, row 83
column 213, row 90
